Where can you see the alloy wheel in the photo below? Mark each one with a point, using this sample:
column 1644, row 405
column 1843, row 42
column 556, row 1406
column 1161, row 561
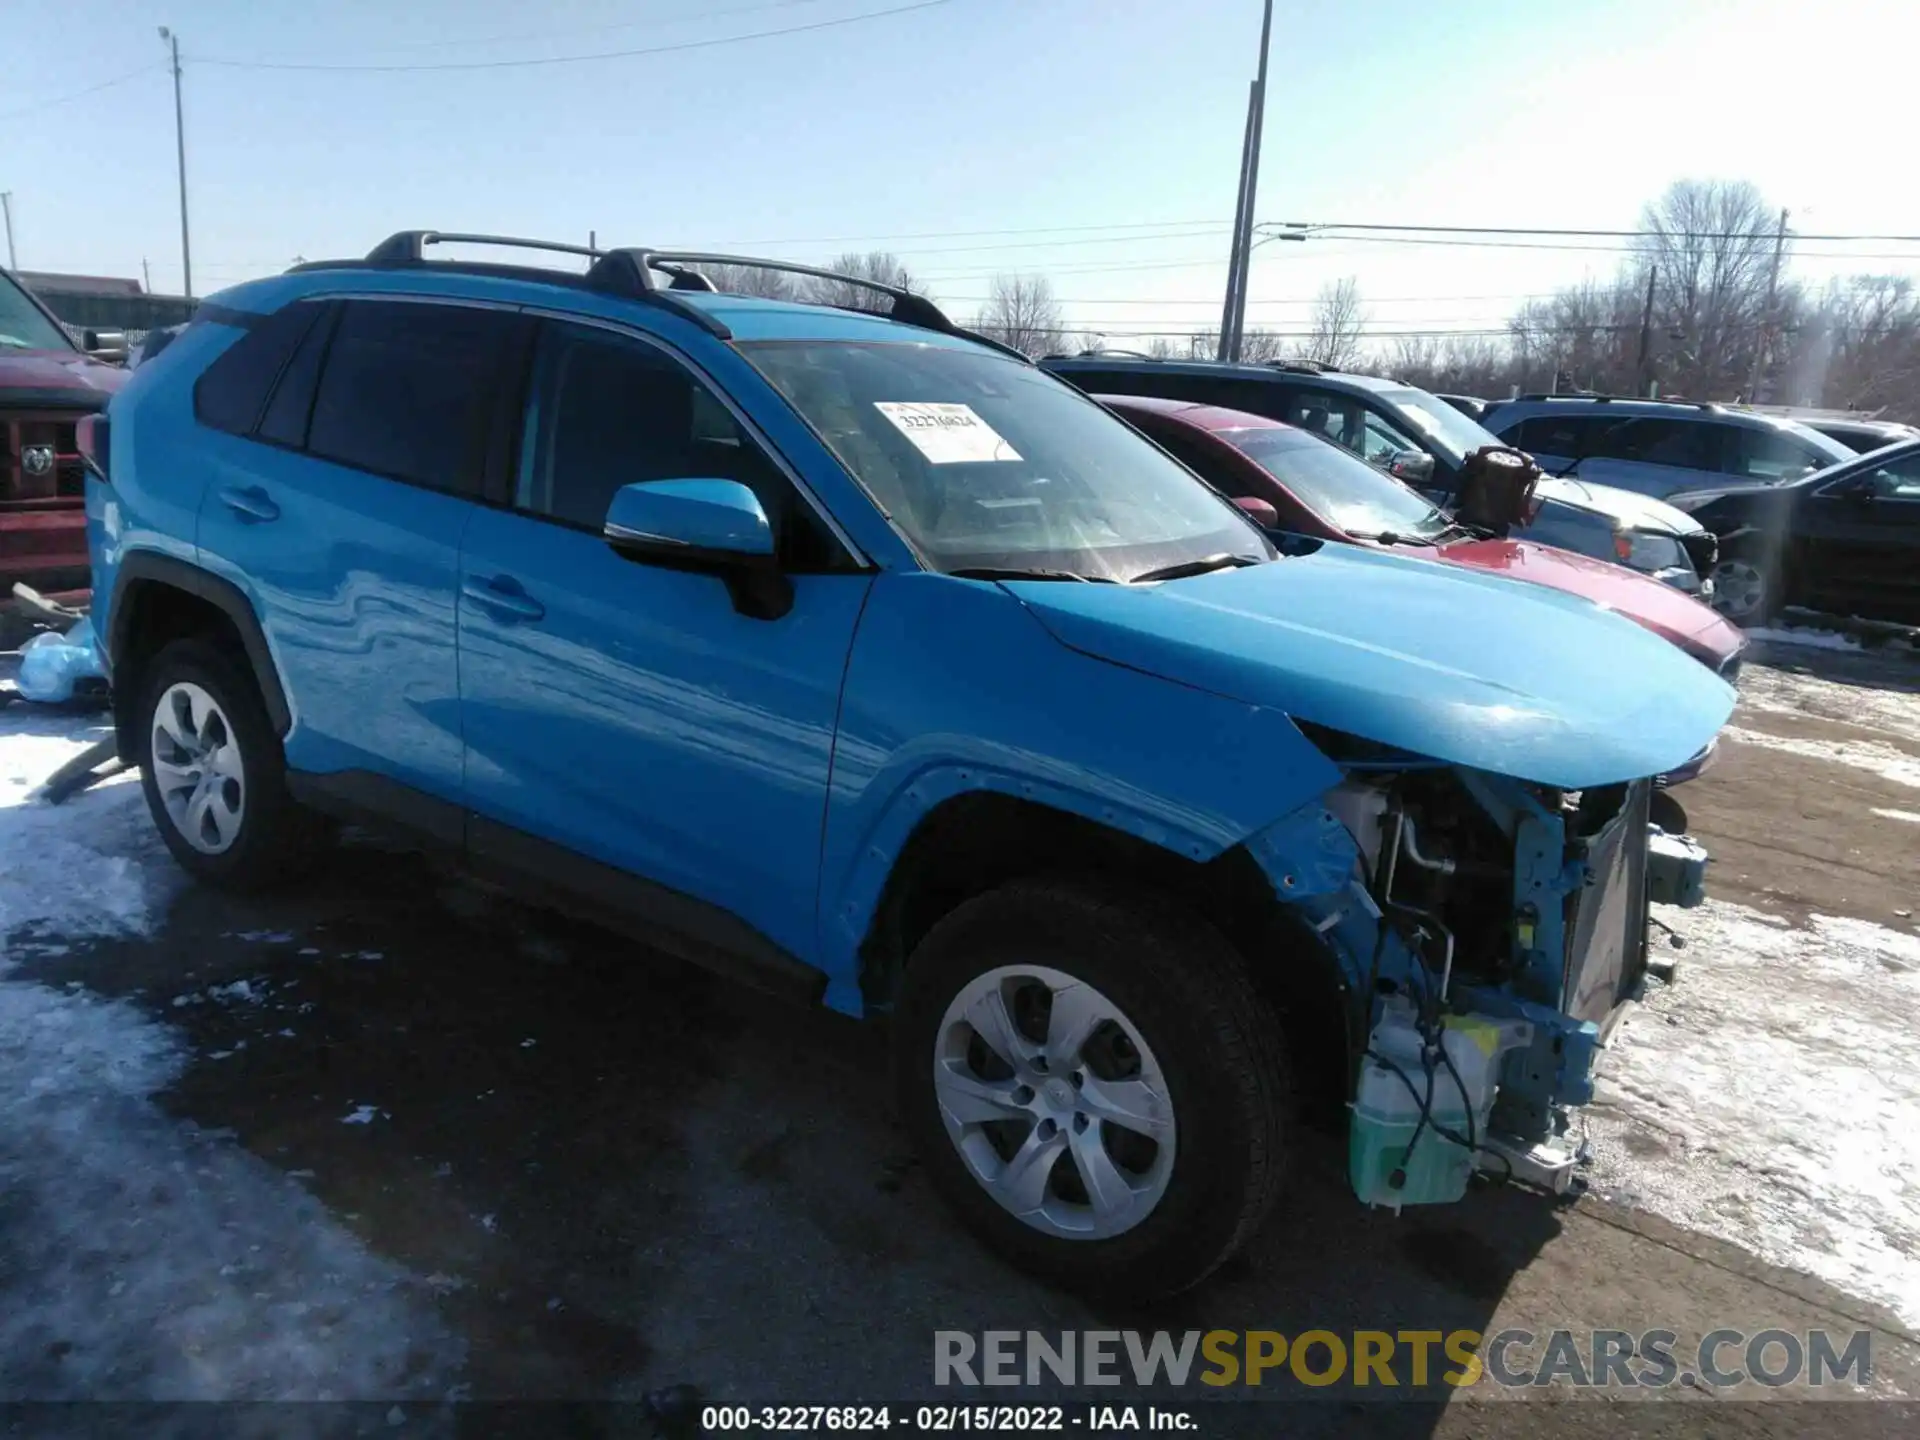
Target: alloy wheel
column 198, row 769
column 1739, row 589
column 1055, row 1102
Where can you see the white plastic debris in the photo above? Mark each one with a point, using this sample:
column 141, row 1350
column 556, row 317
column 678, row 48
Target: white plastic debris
column 53, row 665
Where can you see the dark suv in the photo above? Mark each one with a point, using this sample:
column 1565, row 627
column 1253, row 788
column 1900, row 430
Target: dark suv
column 47, row 385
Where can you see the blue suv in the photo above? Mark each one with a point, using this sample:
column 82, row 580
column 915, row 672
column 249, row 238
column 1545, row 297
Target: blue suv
column 860, row 657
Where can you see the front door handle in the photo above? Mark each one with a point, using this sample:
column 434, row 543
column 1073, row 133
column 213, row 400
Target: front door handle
column 504, row 598
column 250, row 503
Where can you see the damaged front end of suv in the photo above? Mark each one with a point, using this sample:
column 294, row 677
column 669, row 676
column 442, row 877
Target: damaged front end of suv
column 1459, row 903
column 1480, row 869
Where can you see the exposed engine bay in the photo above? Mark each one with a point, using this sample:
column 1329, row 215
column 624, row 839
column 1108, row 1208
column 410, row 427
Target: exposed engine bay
column 1491, row 931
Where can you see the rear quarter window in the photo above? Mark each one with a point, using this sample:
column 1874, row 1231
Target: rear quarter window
column 233, row 390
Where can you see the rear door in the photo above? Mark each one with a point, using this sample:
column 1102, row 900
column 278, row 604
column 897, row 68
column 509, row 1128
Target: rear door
column 340, row 508
column 1860, row 543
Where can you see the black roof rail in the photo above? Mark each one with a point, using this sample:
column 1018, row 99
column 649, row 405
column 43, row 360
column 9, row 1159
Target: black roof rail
column 408, row 249
column 1303, row 367
column 1615, row 399
column 1112, row 350
column 629, row 272
column 634, row 266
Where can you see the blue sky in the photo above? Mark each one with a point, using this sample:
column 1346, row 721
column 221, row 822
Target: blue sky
column 1096, row 140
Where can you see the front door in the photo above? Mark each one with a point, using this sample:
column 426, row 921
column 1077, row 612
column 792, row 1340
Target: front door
column 629, row 733
column 1860, row 543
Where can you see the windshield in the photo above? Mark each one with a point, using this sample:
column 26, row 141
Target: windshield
column 22, row 325
column 1337, row 486
column 986, row 463
column 1454, row 436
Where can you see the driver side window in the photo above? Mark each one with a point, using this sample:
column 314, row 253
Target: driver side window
column 606, row 411
column 1383, row 441
column 1898, row 481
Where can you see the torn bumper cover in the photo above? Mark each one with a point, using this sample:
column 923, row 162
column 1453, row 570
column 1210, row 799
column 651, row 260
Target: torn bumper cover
column 1532, row 908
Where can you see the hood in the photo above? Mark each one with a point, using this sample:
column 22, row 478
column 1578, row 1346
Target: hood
column 1626, row 509
column 1465, row 667
column 56, row 377
column 1679, row 619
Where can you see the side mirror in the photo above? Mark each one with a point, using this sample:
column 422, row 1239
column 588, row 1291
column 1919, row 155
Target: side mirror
column 715, row 527
column 1261, row 512
column 109, row 346
column 1413, row 467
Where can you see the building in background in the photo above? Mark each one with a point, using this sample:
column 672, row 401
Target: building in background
column 105, row 302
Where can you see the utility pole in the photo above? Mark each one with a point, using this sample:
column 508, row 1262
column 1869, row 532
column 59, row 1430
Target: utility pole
column 6, row 204
column 1766, row 317
column 1234, row 314
column 1227, row 308
column 146, row 275
column 1643, row 379
column 180, row 145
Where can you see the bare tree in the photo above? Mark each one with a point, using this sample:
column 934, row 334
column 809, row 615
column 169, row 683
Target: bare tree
column 751, row 280
column 1339, row 320
column 876, row 265
column 1021, row 312
column 1713, row 243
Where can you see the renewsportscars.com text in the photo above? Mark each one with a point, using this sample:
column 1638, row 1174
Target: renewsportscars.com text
column 1616, row 1359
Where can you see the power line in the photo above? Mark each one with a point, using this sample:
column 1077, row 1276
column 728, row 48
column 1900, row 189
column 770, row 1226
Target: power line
column 40, row 105
column 969, row 234
column 650, row 22
column 1627, row 249
column 571, row 59
column 1617, row 234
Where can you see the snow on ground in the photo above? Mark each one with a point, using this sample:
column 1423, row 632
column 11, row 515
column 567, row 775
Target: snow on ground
column 1883, row 760
column 141, row 1257
column 1804, row 636
column 1891, row 712
column 1772, row 1097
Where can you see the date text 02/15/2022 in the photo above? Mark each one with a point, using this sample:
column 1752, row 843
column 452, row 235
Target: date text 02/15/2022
column 942, row 1419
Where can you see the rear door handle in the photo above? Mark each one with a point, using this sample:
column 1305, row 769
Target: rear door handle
column 503, row 597
column 250, row 503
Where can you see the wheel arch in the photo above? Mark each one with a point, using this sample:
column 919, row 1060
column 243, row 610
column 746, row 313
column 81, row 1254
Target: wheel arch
column 157, row 598
column 979, row 839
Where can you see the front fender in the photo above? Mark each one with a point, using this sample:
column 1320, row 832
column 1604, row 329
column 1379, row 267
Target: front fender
column 953, row 686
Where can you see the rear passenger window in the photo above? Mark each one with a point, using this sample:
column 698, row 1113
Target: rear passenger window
column 407, row 389
column 231, row 393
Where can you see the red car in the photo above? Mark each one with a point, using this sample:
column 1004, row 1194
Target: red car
column 47, row 386
column 1317, row 488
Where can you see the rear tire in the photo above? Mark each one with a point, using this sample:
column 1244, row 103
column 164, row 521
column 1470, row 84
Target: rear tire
column 214, row 773
column 1172, row 1039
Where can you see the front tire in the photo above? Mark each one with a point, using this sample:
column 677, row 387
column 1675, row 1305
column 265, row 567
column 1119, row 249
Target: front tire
column 1095, row 1086
column 1745, row 589
column 214, row 773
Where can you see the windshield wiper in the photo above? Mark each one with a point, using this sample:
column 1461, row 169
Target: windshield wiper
column 1392, row 537
column 1193, row 567
column 1000, row 572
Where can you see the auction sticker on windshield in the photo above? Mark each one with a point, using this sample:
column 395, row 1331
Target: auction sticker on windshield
column 947, row 434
